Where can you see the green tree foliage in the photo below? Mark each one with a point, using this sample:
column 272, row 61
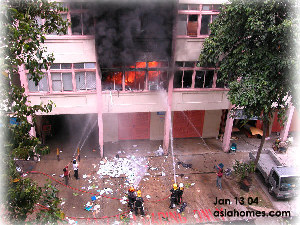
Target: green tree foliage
column 24, row 25
column 252, row 44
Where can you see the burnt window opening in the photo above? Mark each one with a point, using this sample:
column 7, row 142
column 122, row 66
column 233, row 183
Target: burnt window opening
column 82, row 24
column 136, row 76
column 209, row 76
column 177, row 83
column 189, row 64
column 199, row 79
column 111, row 80
column 187, row 79
column 135, row 80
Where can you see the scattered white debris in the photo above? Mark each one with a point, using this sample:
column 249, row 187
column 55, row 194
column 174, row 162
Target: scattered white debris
column 96, row 207
column 132, row 167
column 163, row 174
column 84, row 176
column 71, row 221
column 18, row 169
column 186, row 177
column 124, row 200
column 120, row 210
column 192, row 184
column 148, row 196
column 134, row 145
column 62, row 203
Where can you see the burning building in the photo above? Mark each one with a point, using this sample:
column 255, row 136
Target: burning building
column 131, row 66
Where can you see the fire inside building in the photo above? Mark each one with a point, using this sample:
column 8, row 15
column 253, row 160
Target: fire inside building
column 129, row 71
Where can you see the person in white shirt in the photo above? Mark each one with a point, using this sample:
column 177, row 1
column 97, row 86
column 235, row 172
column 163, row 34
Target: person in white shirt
column 75, row 168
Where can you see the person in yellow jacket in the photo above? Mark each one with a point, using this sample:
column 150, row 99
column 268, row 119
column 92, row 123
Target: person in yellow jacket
column 139, row 203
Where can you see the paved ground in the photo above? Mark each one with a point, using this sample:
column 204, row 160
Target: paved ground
column 200, row 188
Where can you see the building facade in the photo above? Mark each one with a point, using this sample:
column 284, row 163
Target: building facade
column 133, row 68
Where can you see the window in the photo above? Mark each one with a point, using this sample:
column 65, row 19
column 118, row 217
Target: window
column 42, row 85
column 62, row 82
column 67, row 77
column 85, row 80
column 82, row 21
column 194, row 19
column 141, row 76
column 189, row 75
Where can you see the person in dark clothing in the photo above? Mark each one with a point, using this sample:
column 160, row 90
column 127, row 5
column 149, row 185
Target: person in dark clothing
column 139, row 204
column 66, row 175
column 174, row 196
column 131, row 198
column 180, row 193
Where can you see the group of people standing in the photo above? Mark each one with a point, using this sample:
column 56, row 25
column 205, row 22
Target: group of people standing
column 176, row 195
column 67, row 173
column 135, row 201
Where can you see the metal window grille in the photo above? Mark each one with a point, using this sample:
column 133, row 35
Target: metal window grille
column 91, row 80
column 80, row 80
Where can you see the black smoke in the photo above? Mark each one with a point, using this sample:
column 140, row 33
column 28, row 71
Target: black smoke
column 133, row 31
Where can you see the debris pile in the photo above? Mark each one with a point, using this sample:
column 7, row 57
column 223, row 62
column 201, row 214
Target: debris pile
column 132, row 167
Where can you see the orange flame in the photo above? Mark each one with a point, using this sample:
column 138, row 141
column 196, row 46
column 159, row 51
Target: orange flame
column 136, row 77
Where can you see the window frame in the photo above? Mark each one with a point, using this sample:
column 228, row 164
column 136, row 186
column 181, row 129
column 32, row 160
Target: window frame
column 69, row 33
column 196, row 68
column 199, row 13
column 71, row 70
column 148, row 86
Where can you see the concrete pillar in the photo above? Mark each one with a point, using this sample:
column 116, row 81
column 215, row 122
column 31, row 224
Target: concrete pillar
column 168, row 117
column 285, row 131
column 227, row 133
column 99, row 109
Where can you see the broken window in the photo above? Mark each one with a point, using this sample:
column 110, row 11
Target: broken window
column 111, row 80
column 42, row 85
column 134, row 80
column 199, row 79
column 187, row 79
column 177, row 83
column 192, row 25
column 189, row 18
column 209, row 76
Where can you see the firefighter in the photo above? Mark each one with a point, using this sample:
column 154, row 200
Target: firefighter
column 139, row 203
column 131, row 198
column 180, row 193
column 174, row 196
